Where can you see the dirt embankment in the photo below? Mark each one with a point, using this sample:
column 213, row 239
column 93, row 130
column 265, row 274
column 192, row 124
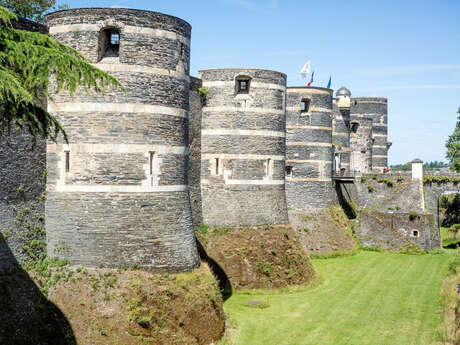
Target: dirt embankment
column 108, row 306
column 257, row 257
column 324, row 231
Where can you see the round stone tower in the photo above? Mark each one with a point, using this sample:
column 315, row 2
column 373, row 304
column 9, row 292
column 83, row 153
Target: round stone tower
column 118, row 192
column 243, row 147
column 309, row 147
column 361, row 144
column 377, row 110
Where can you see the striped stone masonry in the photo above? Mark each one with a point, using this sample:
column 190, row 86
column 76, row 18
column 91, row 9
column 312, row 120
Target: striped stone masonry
column 243, row 147
column 377, row 110
column 118, row 193
column 309, row 146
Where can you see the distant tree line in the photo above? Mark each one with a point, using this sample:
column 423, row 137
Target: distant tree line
column 434, row 165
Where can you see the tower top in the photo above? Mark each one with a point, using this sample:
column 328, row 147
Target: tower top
column 343, row 91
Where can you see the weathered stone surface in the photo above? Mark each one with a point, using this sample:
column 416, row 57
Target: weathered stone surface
column 394, row 230
column 117, row 193
column 243, row 148
column 375, row 108
column 309, row 148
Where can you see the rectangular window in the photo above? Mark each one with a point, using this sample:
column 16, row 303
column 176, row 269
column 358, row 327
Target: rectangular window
column 305, row 105
column 152, row 157
column 67, row 161
column 268, row 168
column 288, row 171
column 243, row 86
column 217, row 166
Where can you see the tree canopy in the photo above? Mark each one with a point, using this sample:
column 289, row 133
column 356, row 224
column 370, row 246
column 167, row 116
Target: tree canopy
column 27, row 60
column 453, row 146
column 31, row 9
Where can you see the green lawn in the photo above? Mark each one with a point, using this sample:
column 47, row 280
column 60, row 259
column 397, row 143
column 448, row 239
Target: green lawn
column 371, row 298
column 447, row 240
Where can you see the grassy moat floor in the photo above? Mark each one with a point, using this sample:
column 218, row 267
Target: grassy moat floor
column 370, row 298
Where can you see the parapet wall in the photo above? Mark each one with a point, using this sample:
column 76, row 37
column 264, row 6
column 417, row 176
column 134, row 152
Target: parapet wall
column 309, row 148
column 118, row 191
column 243, row 147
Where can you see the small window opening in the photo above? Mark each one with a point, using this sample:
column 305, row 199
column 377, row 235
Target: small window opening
column 109, row 43
column 152, row 157
column 414, row 233
column 242, row 85
column 354, row 127
column 67, row 161
column 268, row 168
column 288, row 171
column 217, row 166
column 305, row 105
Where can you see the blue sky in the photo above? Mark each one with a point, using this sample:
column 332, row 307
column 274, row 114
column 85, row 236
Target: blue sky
column 407, row 51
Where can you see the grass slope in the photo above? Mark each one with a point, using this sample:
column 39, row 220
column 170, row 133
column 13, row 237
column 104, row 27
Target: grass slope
column 371, row 298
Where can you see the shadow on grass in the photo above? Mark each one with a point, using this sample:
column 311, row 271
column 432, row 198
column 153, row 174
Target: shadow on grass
column 27, row 317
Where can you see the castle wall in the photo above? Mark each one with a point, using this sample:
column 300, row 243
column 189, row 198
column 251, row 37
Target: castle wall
column 194, row 168
column 395, row 230
column 377, row 110
column 23, row 184
column 243, row 148
column 118, row 192
column 361, row 144
column 309, row 148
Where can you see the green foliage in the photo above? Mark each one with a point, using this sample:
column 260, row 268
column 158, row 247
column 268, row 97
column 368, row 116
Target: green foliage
column 370, row 188
column 453, row 146
column 203, row 91
column 454, row 265
column 204, row 228
column 31, row 9
column 400, row 179
column 413, row 215
column 27, row 60
column 363, row 179
column 374, row 176
column 388, row 182
column 264, row 267
column 439, row 179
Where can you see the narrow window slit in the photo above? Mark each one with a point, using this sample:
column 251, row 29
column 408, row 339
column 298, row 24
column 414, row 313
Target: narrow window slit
column 267, row 170
column 67, row 161
column 217, row 166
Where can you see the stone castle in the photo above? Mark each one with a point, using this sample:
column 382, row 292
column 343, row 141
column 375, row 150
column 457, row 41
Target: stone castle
column 233, row 147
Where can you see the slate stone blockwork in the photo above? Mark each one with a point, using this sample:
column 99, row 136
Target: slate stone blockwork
column 309, row 148
column 375, row 108
column 123, row 199
column 243, row 148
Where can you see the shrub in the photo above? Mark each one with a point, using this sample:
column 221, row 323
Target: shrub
column 388, row 182
column 363, row 179
column 374, row 176
column 413, row 215
column 203, row 91
column 370, row 188
column 400, row 179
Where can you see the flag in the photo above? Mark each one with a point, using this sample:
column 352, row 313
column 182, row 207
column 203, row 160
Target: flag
column 305, row 70
column 311, row 80
column 329, row 83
